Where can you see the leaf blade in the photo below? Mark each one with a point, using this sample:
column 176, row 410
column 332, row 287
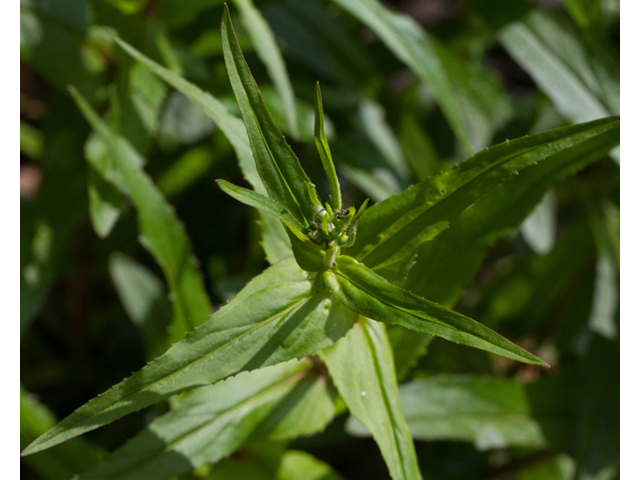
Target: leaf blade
column 385, row 239
column 322, row 144
column 265, row 204
column 267, row 49
column 160, row 230
column 361, row 366
column 275, row 318
column 370, row 295
column 276, row 163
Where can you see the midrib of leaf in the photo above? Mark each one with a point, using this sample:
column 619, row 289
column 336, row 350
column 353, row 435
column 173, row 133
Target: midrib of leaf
column 385, row 396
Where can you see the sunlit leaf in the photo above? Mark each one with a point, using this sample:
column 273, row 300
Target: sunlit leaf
column 278, row 402
column 361, row 366
column 370, row 295
column 277, row 317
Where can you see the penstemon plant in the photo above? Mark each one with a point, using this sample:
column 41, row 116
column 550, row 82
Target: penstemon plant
column 327, row 303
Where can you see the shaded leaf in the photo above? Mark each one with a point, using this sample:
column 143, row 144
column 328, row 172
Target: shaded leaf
column 160, row 230
column 144, row 298
column 322, row 145
column 61, row 462
column 411, row 44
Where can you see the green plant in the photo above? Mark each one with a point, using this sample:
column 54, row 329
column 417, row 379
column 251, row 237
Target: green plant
column 351, row 299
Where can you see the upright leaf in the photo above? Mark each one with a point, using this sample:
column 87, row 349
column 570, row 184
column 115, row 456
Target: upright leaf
column 267, row 49
column 277, row 165
column 370, row 295
column 236, row 133
column 361, row 366
column 390, row 232
column 325, row 153
column 160, row 230
column 411, row 44
column 278, row 316
column 278, row 402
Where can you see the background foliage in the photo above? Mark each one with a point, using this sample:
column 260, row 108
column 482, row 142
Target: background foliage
column 409, row 89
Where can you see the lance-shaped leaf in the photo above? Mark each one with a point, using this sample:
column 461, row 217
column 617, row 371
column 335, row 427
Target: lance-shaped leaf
column 278, row 402
column 411, row 44
column 236, row 133
column 325, row 153
column 267, row 49
column 370, row 295
column 265, row 204
column 160, row 230
column 390, row 232
column 278, row 316
column 447, row 263
column 277, row 165
column 361, row 366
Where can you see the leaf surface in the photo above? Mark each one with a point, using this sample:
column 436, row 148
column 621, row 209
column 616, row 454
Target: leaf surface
column 448, row 262
column 265, row 204
column 361, row 366
column 278, row 402
column 370, row 295
column 276, row 163
column 490, row 412
column 278, row 316
column 267, row 49
column 386, row 237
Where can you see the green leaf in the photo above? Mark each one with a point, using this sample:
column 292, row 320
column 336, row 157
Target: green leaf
column 539, row 228
column 278, row 402
column 267, row 49
column 277, row 165
column 490, row 412
column 448, row 262
column 229, row 124
column 390, row 232
column 278, row 316
column 325, row 153
column 411, row 44
column 160, row 230
column 265, row 204
column 361, row 366
column 370, row 295
column 236, row 133
column 61, row 462
column 144, row 298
